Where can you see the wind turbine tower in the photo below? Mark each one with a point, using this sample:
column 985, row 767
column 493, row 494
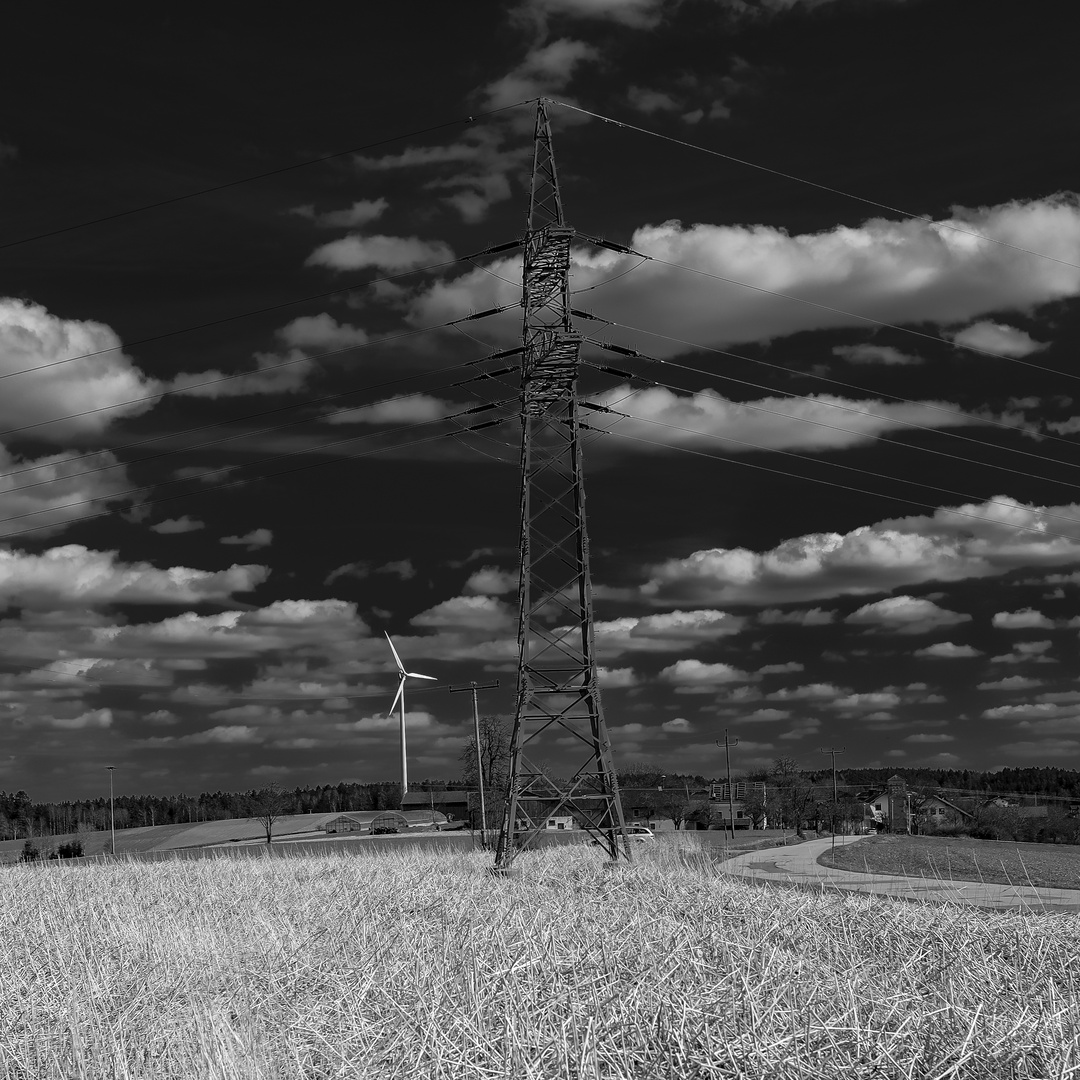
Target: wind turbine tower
column 558, row 701
column 399, row 698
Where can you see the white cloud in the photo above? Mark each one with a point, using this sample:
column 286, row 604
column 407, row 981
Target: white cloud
column 491, row 581
column 544, row 70
column 95, row 718
column 177, row 525
column 639, row 14
column 1025, row 619
column 321, row 331
column 874, row 354
column 997, row 338
column 360, row 213
column 413, row 409
column 70, row 399
column 693, row 676
column 49, row 493
column 905, row 615
column 257, row 538
column 74, row 576
column 649, row 101
column 781, row 669
column 468, row 613
column 877, row 699
column 394, row 253
column 616, row 678
column 1010, row 682
column 679, row 726
column 810, row 692
column 811, row 617
column 906, row 271
column 672, row 631
column 274, row 374
column 766, row 716
column 812, row 422
column 929, row 738
column 980, row 540
column 947, row 650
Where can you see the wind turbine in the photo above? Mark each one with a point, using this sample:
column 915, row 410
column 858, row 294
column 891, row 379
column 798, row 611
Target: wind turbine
column 400, row 696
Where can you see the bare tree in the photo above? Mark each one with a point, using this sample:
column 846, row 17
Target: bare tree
column 267, row 806
column 493, row 767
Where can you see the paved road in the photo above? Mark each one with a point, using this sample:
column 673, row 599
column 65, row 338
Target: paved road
column 799, row 865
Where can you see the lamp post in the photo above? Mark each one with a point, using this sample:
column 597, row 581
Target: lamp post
column 833, row 752
column 473, row 687
column 112, row 810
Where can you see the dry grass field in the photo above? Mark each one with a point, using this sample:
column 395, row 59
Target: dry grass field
column 411, row 965
column 1056, row 866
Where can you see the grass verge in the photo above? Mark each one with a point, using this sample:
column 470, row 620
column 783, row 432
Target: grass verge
column 961, row 859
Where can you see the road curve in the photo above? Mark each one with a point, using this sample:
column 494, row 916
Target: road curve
column 798, row 865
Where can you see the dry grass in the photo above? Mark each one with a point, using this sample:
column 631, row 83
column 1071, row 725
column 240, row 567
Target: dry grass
column 1053, row 866
column 416, row 965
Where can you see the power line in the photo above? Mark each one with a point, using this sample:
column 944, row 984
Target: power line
column 833, row 464
column 242, row 434
column 835, row 405
column 860, row 412
column 814, row 184
column 263, row 175
column 843, row 487
column 248, row 314
column 267, row 476
column 826, row 307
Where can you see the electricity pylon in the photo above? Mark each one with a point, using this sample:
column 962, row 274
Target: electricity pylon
column 558, row 701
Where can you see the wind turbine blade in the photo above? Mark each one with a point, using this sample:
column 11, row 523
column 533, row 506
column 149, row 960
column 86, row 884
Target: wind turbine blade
column 400, row 665
column 397, row 697
column 417, row 675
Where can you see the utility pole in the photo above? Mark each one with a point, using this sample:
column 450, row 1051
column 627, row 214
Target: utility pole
column 112, row 809
column 473, row 687
column 833, row 752
column 727, row 744
column 557, row 692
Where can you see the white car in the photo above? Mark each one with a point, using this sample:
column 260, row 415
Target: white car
column 639, row 834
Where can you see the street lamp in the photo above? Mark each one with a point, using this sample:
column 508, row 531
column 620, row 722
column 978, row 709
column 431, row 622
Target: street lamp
column 112, row 809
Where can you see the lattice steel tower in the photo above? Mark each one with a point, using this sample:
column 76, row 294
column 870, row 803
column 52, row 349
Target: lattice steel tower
column 557, row 696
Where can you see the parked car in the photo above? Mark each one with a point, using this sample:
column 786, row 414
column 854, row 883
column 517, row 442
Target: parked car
column 636, row 834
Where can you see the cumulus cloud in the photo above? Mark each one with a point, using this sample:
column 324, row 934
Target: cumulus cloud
column 66, row 400
column 874, row 354
column 649, row 101
column 74, row 576
column 1010, row 682
column 413, row 409
column 692, row 676
column 947, row 650
column 544, row 70
column 43, row 496
column 996, row 338
column 813, row 422
column 810, row 692
column 922, row 737
column 1026, row 652
column 974, row 540
column 1025, row 619
column 393, row 253
column 905, row 615
column 781, row 669
column 360, row 213
column 893, row 271
column 321, row 331
column 616, row 678
column 673, row 631
column 273, row 374
column 491, row 581
column 257, row 538
column 177, row 525
column 639, row 14
column 468, row 613
column 811, row 617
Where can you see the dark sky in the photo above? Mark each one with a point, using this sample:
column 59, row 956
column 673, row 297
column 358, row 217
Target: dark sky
column 842, row 512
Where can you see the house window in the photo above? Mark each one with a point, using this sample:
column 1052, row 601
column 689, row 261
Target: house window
column 878, row 806
column 551, row 823
column 562, row 825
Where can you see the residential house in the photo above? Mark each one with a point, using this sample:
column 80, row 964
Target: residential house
column 746, row 799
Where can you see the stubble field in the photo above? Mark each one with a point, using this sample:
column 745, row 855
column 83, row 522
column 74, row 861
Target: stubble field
column 412, row 965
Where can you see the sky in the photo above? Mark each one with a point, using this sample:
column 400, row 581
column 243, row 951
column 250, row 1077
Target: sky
column 834, row 506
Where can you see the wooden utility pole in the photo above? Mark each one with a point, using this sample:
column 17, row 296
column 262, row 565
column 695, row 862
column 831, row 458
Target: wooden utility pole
column 727, row 744
column 833, row 753
column 473, row 687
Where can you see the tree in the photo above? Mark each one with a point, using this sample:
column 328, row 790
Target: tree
column 267, row 806
column 493, row 766
column 29, row 852
column 792, row 794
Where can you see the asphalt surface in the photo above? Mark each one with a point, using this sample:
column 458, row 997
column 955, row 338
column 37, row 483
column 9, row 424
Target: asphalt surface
column 798, row 865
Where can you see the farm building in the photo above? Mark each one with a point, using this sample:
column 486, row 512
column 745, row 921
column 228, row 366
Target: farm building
column 366, row 821
column 454, row 804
